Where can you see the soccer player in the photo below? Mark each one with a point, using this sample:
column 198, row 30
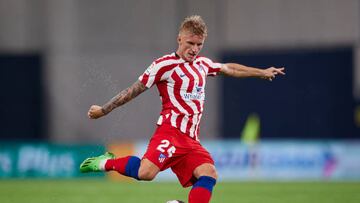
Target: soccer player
column 180, row 78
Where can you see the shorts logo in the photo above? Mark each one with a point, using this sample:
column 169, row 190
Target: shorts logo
column 162, row 158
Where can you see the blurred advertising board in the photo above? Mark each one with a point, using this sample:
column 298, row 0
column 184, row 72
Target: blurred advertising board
column 44, row 160
column 271, row 160
column 281, row 160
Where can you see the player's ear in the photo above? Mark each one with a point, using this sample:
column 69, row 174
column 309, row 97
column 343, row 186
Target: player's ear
column 178, row 38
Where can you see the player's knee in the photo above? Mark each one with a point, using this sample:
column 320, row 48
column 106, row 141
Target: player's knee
column 206, row 170
column 213, row 173
column 147, row 170
column 146, row 174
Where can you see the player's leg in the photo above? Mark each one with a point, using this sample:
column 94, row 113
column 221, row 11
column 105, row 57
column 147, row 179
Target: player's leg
column 197, row 169
column 130, row 166
column 206, row 179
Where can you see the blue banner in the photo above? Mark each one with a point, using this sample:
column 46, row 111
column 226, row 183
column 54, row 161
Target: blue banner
column 45, row 160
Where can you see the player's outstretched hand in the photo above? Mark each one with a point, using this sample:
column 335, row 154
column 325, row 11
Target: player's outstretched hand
column 270, row 73
column 95, row 112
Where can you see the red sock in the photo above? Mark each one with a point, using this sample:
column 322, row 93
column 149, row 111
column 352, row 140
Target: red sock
column 199, row 195
column 128, row 166
column 118, row 165
column 202, row 189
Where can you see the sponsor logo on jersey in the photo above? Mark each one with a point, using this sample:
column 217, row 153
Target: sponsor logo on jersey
column 197, row 94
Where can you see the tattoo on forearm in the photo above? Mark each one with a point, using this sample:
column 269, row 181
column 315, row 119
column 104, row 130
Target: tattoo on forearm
column 124, row 96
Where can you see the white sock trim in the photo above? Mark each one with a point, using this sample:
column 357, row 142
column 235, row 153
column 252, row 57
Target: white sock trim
column 102, row 164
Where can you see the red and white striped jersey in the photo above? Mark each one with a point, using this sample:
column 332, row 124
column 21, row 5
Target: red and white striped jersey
column 181, row 86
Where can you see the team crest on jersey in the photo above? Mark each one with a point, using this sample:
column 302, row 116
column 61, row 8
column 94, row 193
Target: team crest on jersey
column 200, row 67
column 162, row 158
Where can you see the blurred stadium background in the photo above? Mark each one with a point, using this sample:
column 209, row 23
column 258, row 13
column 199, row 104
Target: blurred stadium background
column 59, row 57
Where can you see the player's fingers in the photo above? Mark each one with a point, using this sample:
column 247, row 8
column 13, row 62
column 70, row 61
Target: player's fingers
column 281, row 70
column 91, row 114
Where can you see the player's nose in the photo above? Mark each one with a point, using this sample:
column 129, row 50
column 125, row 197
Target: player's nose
column 195, row 49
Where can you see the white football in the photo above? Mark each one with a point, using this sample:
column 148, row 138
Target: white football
column 175, row 201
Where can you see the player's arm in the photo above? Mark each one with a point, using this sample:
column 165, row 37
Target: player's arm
column 123, row 97
column 241, row 71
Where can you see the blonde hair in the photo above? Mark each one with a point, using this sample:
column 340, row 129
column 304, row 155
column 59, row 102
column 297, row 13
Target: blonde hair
column 194, row 24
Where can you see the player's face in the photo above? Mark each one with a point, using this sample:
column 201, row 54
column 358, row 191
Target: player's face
column 190, row 45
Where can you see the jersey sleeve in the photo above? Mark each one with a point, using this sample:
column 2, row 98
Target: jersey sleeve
column 153, row 74
column 212, row 68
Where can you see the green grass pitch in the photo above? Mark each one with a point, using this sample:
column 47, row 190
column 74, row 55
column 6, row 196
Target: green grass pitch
column 103, row 191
